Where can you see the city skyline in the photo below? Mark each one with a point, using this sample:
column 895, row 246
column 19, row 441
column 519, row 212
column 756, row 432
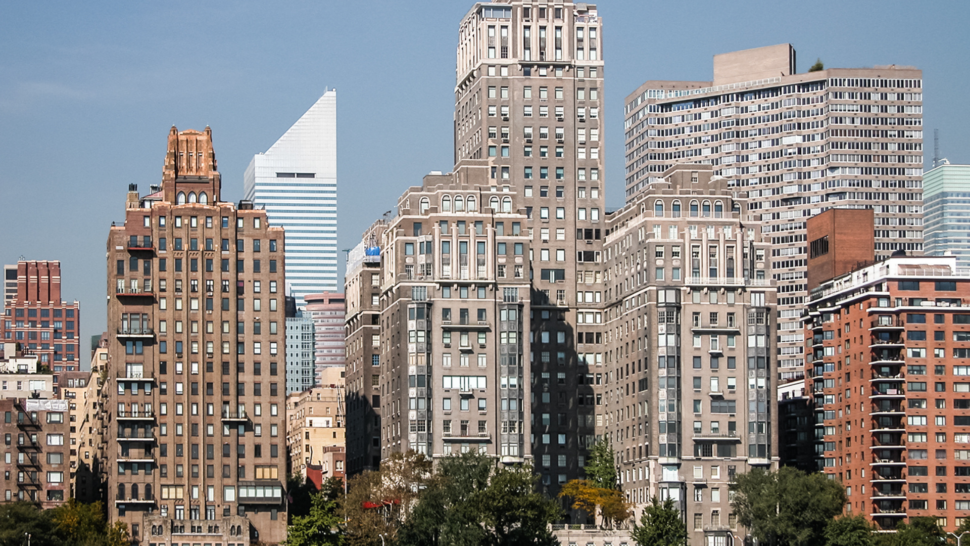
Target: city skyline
column 55, row 95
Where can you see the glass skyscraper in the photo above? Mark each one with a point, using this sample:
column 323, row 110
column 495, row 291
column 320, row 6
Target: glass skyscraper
column 946, row 208
column 296, row 182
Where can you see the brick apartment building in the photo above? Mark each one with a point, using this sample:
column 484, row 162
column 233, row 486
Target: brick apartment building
column 37, row 318
column 196, row 382
column 35, row 455
column 887, row 348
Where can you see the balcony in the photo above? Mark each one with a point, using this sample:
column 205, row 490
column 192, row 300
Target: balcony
column 234, row 417
column 466, row 436
column 131, row 375
column 886, row 340
column 136, row 333
column 132, row 293
column 465, row 324
column 29, row 446
column 888, row 476
column 129, row 459
column 135, row 416
column 138, row 500
column 888, row 494
column 136, row 437
column 26, row 422
column 28, row 481
column 888, row 393
column 887, row 323
column 144, row 245
column 30, row 462
column 717, row 436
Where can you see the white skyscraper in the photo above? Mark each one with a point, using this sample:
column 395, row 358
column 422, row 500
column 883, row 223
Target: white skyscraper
column 296, row 182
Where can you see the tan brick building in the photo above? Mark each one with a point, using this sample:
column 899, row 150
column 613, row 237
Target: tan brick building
column 362, row 287
column 196, row 384
column 315, row 432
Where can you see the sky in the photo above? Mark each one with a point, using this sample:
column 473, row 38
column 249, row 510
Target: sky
column 89, row 91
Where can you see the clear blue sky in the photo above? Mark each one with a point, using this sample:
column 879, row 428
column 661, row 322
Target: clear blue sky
column 89, row 90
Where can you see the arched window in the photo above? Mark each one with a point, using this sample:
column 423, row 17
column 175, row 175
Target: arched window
column 180, row 199
column 121, row 491
column 507, row 204
column 191, row 197
column 134, row 491
column 718, row 209
column 493, row 203
column 424, row 205
column 472, row 203
column 148, row 491
column 736, row 207
column 693, row 209
column 203, row 198
column 706, row 210
column 675, row 207
column 459, row 204
column 658, row 208
column 446, row 204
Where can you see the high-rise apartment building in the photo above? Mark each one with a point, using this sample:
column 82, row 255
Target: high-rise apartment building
column 328, row 312
column 528, row 99
column 455, row 295
column 296, row 182
column 41, row 321
column 798, row 144
column 36, row 432
column 686, row 392
column 362, row 286
column 946, row 197
column 196, row 438
column 887, row 354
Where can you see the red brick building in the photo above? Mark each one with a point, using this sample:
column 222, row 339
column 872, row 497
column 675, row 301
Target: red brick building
column 41, row 321
column 888, row 364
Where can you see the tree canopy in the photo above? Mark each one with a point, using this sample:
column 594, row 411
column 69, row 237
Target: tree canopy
column 849, row 531
column 787, row 507
column 472, row 501
column 660, row 525
column 322, row 524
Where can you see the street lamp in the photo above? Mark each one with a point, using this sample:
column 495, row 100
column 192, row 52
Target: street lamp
column 958, row 537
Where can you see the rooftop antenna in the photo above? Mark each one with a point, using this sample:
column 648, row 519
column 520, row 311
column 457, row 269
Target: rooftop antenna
column 936, row 148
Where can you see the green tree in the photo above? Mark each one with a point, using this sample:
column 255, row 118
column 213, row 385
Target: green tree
column 322, row 525
column 301, row 491
column 819, row 65
column 379, row 503
column 19, row 519
column 849, row 531
column 118, row 535
column 787, row 507
column 472, row 502
column 660, row 525
column 79, row 523
column 920, row 531
column 611, row 503
column 601, row 465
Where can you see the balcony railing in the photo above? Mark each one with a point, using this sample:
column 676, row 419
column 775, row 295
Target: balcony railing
column 26, row 421
column 28, row 446
column 234, row 416
column 135, row 415
column 458, row 435
column 136, row 437
column 136, row 332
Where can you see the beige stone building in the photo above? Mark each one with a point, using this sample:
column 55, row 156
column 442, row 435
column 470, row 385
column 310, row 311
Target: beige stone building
column 454, row 298
column 528, row 103
column 686, row 393
column 798, row 143
column 196, row 434
column 316, row 425
column 362, row 287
